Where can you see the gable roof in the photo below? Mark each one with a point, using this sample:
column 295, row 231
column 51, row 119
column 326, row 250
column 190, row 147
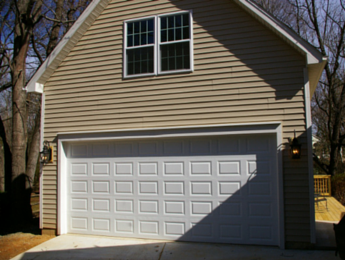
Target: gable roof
column 314, row 59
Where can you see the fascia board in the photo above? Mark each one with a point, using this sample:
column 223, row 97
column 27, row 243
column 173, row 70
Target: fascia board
column 38, row 80
column 312, row 55
column 315, row 72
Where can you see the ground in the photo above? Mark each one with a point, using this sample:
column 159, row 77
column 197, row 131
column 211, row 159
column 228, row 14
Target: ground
column 15, row 240
column 14, row 244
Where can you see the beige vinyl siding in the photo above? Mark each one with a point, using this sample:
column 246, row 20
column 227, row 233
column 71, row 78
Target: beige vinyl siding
column 243, row 74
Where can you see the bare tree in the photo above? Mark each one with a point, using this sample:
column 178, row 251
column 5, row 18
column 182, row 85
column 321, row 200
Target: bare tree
column 29, row 31
column 322, row 23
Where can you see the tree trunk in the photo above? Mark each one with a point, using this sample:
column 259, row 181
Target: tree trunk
column 20, row 196
column 34, row 150
column 2, row 166
column 7, row 160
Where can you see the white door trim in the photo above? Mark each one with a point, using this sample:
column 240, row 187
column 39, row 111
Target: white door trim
column 235, row 129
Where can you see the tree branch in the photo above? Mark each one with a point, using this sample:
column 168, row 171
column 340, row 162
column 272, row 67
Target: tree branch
column 5, row 86
column 322, row 165
column 35, row 49
column 58, row 21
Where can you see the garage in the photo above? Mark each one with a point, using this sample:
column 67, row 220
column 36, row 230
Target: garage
column 221, row 188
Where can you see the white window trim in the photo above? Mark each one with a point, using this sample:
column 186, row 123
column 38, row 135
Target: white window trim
column 157, row 43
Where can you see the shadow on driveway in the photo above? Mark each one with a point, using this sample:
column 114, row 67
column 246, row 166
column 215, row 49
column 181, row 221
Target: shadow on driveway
column 98, row 247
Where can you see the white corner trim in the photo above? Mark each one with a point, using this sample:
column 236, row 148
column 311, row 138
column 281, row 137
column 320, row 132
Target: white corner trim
column 310, row 155
column 31, row 86
column 41, row 198
column 62, row 190
column 41, row 170
column 312, row 55
column 281, row 220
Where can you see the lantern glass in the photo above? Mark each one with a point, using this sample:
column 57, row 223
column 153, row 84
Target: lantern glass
column 295, row 149
column 46, row 153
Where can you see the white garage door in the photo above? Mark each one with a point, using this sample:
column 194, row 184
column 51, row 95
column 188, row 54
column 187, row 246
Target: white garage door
column 211, row 189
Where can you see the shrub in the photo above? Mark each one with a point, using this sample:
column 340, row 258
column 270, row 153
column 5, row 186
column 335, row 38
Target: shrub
column 338, row 187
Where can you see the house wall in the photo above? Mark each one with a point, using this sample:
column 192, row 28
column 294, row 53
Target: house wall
column 243, row 73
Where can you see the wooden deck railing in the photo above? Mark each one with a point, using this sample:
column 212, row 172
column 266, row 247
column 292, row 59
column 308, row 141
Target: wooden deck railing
column 322, row 185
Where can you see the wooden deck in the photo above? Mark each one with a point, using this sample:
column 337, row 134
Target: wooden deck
column 333, row 212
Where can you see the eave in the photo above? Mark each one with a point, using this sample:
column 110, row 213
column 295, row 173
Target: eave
column 314, row 59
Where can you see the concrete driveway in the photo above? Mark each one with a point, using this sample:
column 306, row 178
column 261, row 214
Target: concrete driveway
column 100, row 247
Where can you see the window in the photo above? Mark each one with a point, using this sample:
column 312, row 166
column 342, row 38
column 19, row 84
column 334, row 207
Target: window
column 158, row 45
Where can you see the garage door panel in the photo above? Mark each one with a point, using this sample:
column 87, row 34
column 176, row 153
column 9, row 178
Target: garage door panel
column 229, row 188
column 174, row 208
column 229, row 145
column 123, row 169
column 175, row 228
column 230, row 209
column 124, row 206
column 229, row 168
column 100, row 169
column 176, row 188
column 124, row 226
column 78, row 151
column 79, row 169
column 259, row 188
column 231, row 232
column 260, row 232
column 79, row 204
column 124, row 187
column 210, row 189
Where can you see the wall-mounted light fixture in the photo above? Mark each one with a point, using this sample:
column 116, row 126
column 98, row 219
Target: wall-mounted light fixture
column 295, row 148
column 46, row 156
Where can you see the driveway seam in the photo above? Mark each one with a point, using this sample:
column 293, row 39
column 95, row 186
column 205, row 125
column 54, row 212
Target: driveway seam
column 160, row 255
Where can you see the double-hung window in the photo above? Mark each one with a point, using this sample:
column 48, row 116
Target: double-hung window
column 158, row 45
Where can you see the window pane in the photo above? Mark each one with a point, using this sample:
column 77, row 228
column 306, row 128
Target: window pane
column 130, row 41
column 185, row 33
column 185, row 20
column 179, row 62
column 136, row 26
column 175, row 56
column 151, row 38
column 163, row 22
column 178, row 21
column 164, row 64
column 130, row 28
column 164, row 35
column 143, row 26
column 143, row 39
column 171, row 36
column 136, row 40
column 178, row 34
column 170, row 21
column 140, row 60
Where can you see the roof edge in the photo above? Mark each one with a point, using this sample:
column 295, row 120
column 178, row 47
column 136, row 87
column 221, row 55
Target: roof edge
column 313, row 56
column 61, row 50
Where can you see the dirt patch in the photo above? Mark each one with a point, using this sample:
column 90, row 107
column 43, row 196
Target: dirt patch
column 14, row 244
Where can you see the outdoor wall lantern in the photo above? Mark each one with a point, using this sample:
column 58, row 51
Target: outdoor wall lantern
column 47, row 153
column 295, row 148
